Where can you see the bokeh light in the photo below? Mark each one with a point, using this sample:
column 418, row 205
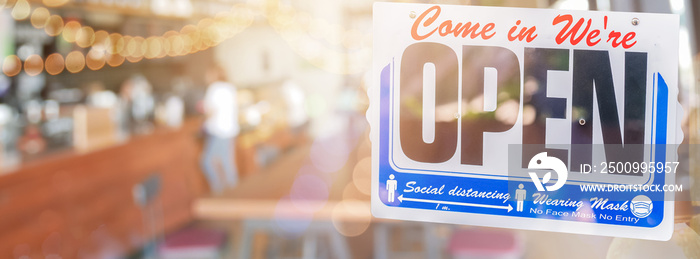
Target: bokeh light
column 202, row 27
column 21, row 10
column 39, row 17
column 209, row 32
column 351, row 192
column 508, row 112
column 176, row 45
column 85, row 37
column 186, row 45
column 329, row 154
column 309, row 187
column 153, row 47
column 54, row 25
column 129, row 46
column 225, row 25
column 191, row 38
column 115, row 60
column 11, row 65
column 54, row 64
column 70, row 31
column 115, row 43
column 133, row 59
column 365, row 148
column 75, row 62
column 101, row 39
column 33, row 65
column 95, row 59
column 529, row 114
column 165, row 47
column 141, row 46
column 351, row 217
column 362, row 175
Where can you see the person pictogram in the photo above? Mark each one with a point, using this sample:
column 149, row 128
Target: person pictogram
column 520, row 195
column 391, row 186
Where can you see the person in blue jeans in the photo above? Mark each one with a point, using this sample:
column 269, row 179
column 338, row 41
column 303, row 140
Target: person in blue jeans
column 221, row 126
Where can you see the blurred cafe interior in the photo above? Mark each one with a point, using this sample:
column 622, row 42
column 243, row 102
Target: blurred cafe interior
column 103, row 136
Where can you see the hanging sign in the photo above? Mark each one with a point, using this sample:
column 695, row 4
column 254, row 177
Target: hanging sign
column 538, row 119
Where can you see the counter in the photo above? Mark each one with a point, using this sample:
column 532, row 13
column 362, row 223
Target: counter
column 75, row 203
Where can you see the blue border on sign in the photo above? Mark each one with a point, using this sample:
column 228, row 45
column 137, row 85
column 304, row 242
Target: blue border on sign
column 504, row 207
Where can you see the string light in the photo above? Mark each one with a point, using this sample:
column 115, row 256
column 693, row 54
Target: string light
column 33, row 65
column 154, row 47
column 165, row 47
column 133, row 59
column 54, row 25
column 75, row 62
column 100, row 42
column 115, row 43
column 113, row 49
column 70, row 31
column 95, row 59
column 177, row 45
column 54, row 64
column 21, row 10
column 134, row 48
column 187, row 45
column 39, row 17
column 115, row 60
column 73, row 28
column 85, row 37
column 11, row 65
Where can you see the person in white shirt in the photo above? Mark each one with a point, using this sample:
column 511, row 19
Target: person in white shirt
column 221, row 126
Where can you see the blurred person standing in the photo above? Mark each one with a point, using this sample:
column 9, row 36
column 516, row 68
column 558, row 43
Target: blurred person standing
column 136, row 106
column 296, row 112
column 123, row 113
column 142, row 104
column 221, row 126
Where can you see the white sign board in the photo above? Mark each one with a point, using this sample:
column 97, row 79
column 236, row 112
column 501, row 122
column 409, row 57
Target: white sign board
column 510, row 117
